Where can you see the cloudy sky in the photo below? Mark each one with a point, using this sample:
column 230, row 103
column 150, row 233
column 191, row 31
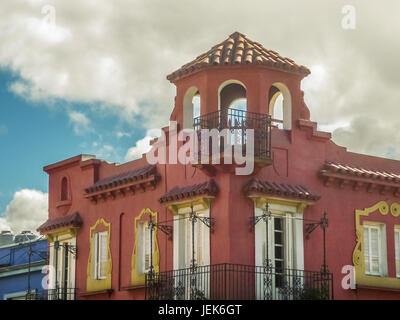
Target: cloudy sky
column 89, row 76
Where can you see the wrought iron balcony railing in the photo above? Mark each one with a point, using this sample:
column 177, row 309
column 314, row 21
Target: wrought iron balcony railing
column 53, row 294
column 237, row 122
column 239, row 282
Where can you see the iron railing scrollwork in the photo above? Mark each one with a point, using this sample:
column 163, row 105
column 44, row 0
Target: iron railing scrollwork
column 236, row 122
column 239, row 282
column 52, row 294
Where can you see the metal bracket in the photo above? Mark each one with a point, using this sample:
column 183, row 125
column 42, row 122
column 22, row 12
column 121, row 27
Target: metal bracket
column 209, row 222
column 166, row 229
column 266, row 216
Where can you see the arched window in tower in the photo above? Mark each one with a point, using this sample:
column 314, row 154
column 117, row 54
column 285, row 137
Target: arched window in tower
column 280, row 106
column 64, row 189
column 191, row 107
column 196, row 105
column 233, row 107
column 276, row 106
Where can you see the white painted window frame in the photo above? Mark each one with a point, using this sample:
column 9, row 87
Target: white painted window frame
column 397, row 250
column 71, row 263
column 382, row 250
column 294, row 243
column 100, row 249
column 144, row 247
column 183, row 241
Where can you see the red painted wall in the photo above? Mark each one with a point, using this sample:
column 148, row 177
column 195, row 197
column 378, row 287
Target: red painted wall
column 297, row 160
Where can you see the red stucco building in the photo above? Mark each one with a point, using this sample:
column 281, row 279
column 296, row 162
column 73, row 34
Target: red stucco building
column 256, row 236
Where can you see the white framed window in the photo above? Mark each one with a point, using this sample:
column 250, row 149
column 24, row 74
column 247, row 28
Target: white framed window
column 285, row 247
column 375, row 249
column 281, row 241
column 145, row 247
column 397, row 250
column 100, row 253
column 285, row 237
column 200, row 234
column 183, row 240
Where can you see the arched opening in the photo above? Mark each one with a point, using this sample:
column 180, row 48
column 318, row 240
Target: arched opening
column 233, row 107
column 191, row 107
column 280, row 105
column 64, row 189
column 232, row 94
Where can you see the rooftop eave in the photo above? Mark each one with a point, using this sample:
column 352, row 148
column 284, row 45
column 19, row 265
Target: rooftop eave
column 177, row 75
column 125, row 189
column 67, row 162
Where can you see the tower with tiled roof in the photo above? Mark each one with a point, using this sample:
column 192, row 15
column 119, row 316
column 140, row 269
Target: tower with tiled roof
column 239, row 67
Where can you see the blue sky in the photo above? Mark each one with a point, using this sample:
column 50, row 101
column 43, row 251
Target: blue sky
column 35, row 134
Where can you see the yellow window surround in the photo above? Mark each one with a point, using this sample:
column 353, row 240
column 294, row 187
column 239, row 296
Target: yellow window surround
column 65, row 234
column 137, row 277
column 363, row 279
column 260, row 201
column 91, row 283
column 199, row 204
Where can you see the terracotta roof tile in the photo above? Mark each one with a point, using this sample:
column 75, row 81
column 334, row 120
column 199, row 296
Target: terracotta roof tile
column 351, row 170
column 238, row 49
column 208, row 188
column 279, row 189
column 73, row 220
column 123, row 178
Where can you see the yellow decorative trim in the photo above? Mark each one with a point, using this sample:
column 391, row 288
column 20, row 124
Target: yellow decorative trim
column 103, row 284
column 260, row 201
column 203, row 202
column 395, row 209
column 138, row 278
column 69, row 233
column 363, row 279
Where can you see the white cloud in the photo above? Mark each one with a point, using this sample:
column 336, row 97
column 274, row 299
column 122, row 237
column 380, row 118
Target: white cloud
column 123, row 134
column 115, row 56
column 4, row 225
column 79, row 121
column 106, row 152
column 26, row 211
column 142, row 146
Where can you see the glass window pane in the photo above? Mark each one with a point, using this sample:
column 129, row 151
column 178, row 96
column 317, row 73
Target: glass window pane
column 278, row 237
column 366, row 241
column 278, row 252
column 278, row 223
column 397, row 248
column 375, row 265
column 367, row 266
column 278, row 266
column 374, row 242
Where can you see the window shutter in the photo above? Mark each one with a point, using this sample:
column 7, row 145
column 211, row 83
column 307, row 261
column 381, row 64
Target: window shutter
column 199, row 242
column 188, row 242
column 146, row 249
column 366, row 249
column 375, row 244
column 372, row 249
column 95, row 255
column 397, row 248
column 289, row 241
column 103, row 243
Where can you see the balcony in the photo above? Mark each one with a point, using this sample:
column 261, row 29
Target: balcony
column 237, row 123
column 239, row 282
column 53, row 294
